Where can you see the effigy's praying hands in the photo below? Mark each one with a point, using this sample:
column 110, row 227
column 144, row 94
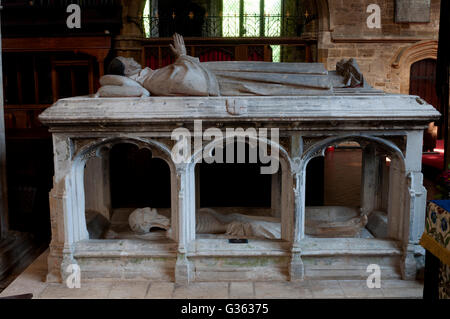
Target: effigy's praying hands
column 178, row 48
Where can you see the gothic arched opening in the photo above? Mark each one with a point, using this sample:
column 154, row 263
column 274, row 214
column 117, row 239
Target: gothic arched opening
column 122, row 179
column 355, row 198
column 236, row 199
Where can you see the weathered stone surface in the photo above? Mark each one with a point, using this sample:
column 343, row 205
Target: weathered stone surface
column 170, row 110
column 201, row 290
column 142, row 220
column 326, row 289
column 345, row 34
column 359, row 289
column 377, row 224
column 348, row 258
column 32, row 281
column 129, row 290
column 93, row 290
column 333, row 221
column 160, row 290
column 242, row 290
column 281, row 290
column 402, row 293
column 412, row 10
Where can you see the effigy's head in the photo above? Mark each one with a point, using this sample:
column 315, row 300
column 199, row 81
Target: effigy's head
column 124, row 66
column 141, row 220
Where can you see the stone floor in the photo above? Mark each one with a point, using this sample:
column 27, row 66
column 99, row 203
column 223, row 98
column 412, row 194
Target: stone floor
column 31, row 281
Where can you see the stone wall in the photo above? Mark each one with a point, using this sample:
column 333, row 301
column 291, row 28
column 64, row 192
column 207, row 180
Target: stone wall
column 374, row 49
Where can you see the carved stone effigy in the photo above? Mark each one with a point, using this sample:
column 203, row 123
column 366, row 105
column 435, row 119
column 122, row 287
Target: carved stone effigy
column 208, row 221
column 188, row 77
column 142, row 220
column 323, row 113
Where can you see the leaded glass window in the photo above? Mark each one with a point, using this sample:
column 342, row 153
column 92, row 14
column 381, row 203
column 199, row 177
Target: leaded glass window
column 223, row 18
column 251, row 18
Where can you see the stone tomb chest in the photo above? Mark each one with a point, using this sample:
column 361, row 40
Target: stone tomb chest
column 312, row 242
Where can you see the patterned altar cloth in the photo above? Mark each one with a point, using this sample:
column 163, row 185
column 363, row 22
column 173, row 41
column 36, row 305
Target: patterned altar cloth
column 436, row 239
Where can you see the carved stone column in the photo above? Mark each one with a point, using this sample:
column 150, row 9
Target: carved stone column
column 186, row 220
column 129, row 43
column 67, row 216
column 414, row 205
column 296, row 267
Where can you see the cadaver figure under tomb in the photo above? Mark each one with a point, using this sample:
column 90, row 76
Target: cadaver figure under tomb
column 321, row 221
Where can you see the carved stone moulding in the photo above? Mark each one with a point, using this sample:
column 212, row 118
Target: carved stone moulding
column 314, row 146
column 85, row 148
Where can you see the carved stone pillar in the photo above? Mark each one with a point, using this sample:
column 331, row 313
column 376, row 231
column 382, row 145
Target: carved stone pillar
column 416, row 191
column 296, row 267
column 67, row 211
column 129, row 43
column 415, row 203
column 186, row 220
column 128, row 46
column 286, row 203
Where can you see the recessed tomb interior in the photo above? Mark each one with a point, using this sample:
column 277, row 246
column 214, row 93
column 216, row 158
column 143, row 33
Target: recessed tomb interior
column 128, row 193
column 354, row 198
column 234, row 198
column 124, row 180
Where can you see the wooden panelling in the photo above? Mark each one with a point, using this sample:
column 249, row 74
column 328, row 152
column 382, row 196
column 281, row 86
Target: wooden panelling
column 156, row 53
column 38, row 71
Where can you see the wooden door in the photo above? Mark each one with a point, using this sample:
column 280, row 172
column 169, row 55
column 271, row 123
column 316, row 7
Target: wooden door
column 422, row 83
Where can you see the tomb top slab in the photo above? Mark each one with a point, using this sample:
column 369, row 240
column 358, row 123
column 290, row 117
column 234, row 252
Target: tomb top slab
column 410, row 110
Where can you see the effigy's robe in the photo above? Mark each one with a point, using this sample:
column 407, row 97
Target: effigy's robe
column 267, row 78
column 189, row 77
column 184, row 77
